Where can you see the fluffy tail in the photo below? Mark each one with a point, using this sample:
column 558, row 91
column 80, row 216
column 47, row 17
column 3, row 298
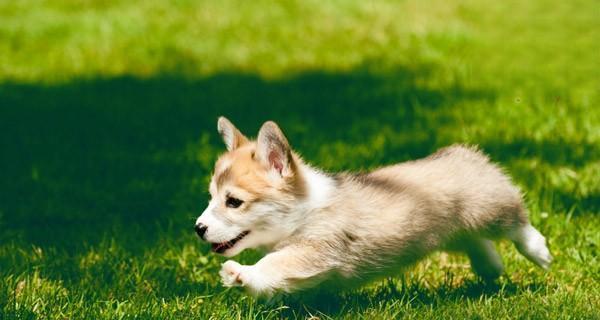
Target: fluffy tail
column 532, row 244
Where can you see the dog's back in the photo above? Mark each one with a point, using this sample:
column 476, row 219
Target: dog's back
column 462, row 187
column 397, row 214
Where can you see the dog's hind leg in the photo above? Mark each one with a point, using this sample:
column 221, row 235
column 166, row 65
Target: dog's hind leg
column 485, row 260
column 532, row 244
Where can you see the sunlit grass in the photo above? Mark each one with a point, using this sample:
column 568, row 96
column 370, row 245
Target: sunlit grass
column 108, row 111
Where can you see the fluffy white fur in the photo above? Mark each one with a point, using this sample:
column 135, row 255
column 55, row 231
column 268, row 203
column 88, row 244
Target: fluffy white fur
column 346, row 229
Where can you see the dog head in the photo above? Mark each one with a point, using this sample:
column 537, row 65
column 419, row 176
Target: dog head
column 254, row 190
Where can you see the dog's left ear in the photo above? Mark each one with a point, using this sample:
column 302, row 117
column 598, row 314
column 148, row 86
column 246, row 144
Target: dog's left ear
column 273, row 149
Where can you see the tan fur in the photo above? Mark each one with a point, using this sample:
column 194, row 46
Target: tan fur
column 395, row 215
column 349, row 228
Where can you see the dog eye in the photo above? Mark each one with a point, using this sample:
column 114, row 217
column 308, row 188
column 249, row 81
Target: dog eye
column 232, row 202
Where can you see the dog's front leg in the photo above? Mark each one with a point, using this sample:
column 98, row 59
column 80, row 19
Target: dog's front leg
column 281, row 271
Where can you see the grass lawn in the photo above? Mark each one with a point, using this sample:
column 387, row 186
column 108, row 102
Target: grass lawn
column 108, row 118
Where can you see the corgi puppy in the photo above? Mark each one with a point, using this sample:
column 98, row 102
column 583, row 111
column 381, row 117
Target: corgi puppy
column 345, row 229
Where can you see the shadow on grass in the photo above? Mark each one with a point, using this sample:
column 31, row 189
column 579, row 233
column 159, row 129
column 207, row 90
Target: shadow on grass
column 81, row 156
column 78, row 156
column 410, row 294
column 126, row 160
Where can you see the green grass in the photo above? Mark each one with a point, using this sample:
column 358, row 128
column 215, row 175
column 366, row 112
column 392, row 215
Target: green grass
column 108, row 114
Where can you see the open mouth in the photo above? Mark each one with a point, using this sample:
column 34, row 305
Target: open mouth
column 224, row 246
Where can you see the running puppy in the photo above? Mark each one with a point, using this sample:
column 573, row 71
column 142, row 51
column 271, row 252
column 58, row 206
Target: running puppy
column 345, row 229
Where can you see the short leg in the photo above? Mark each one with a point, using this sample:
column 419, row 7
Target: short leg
column 532, row 244
column 286, row 270
column 485, row 260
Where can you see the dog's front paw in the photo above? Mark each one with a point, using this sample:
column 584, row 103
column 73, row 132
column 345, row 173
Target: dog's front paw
column 230, row 274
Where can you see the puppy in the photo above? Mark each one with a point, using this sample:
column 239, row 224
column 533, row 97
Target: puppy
column 346, row 229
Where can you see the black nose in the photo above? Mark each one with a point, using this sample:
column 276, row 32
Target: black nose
column 200, row 230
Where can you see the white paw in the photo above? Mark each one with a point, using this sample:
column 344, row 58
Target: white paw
column 231, row 274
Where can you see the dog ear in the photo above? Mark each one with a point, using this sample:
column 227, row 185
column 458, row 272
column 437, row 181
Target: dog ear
column 232, row 137
column 273, row 149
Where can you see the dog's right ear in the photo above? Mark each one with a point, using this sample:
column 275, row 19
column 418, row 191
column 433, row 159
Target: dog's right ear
column 232, row 137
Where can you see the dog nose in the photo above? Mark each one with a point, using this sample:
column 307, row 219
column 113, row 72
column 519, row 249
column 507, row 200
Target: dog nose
column 200, row 230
